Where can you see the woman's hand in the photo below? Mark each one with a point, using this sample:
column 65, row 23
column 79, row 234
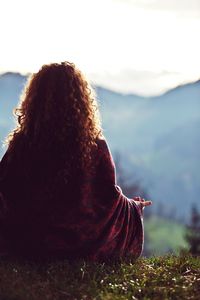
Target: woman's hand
column 142, row 203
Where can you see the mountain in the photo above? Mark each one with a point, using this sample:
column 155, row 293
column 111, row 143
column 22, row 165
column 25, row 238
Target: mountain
column 161, row 138
column 11, row 85
column 158, row 138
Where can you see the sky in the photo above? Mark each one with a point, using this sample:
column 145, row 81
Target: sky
column 130, row 46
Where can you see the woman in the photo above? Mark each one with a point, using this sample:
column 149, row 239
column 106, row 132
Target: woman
column 58, row 191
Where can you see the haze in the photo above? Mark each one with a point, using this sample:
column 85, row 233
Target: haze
column 143, row 47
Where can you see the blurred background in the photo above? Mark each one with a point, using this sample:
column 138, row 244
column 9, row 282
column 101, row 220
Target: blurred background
column 142, row 58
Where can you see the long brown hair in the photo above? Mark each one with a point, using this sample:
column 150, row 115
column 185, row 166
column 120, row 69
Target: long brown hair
column 58, row 118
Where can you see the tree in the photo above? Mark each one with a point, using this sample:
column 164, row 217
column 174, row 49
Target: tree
column 192, row 235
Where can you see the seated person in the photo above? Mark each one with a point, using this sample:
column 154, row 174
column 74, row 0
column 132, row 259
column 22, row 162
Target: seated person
column 58, row 192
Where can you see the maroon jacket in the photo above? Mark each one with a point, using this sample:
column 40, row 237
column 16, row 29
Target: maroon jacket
column 103, row 224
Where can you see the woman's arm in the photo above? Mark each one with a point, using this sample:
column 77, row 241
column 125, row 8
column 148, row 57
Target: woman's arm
column 106, row 174
column 107, row 177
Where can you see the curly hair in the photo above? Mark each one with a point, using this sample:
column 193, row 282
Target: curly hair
column 58, row 115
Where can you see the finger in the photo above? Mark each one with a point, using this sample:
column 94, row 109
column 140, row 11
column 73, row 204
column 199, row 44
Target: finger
column 147, row 203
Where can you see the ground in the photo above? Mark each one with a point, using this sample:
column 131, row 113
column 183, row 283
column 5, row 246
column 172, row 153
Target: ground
column 161, row 277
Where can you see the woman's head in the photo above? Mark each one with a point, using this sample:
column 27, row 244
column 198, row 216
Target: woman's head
column 58, row 112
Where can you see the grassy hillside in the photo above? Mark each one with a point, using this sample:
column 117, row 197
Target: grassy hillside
column 164, row 235
column 167, row 277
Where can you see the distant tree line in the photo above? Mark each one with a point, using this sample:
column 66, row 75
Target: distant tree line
column 192, row 234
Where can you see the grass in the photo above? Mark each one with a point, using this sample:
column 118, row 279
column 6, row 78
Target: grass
column 161, row 277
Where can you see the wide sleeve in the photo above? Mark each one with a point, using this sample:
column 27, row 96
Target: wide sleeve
column 106, row 177
column 119, row 225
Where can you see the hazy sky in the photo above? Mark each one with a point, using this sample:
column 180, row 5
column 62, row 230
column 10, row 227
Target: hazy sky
column 135, row 46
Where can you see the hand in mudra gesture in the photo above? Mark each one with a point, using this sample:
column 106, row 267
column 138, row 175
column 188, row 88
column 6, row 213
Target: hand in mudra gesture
column 142, row 203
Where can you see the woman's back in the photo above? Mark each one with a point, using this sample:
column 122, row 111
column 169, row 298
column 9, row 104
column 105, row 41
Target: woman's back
column 86, row 218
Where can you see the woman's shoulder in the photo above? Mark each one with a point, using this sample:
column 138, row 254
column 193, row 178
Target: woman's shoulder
column 4, row 160
column 101, row 141
column 103, row 144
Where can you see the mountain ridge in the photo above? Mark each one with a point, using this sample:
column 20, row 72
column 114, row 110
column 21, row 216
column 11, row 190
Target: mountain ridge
column 26, row 75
